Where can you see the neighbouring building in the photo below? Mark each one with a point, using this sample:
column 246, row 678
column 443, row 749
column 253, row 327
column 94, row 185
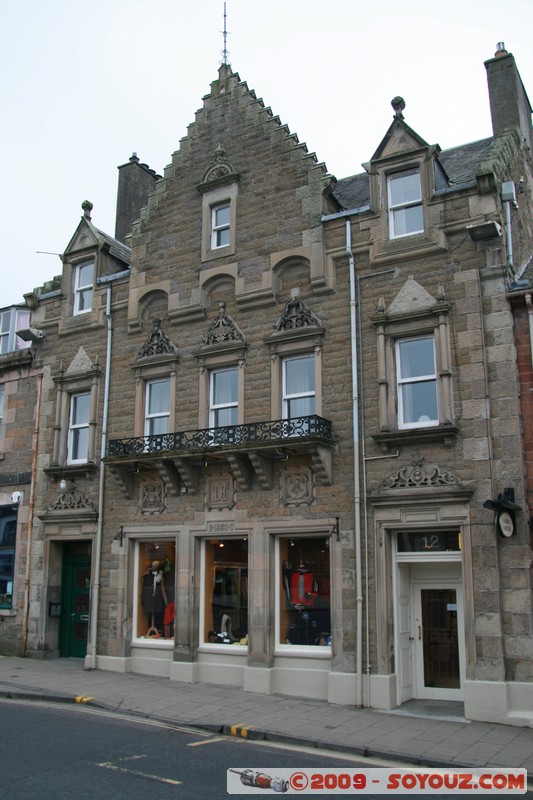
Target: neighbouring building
column 20, row 392
column 279, row 439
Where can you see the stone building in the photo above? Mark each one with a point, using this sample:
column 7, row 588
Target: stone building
column 20, row 393
column 280, row 418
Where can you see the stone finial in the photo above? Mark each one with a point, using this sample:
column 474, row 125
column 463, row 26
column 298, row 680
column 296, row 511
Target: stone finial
column 398, row 104
column 87, row 207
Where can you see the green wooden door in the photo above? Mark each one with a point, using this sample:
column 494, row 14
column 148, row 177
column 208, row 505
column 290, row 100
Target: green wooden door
column 76, row 583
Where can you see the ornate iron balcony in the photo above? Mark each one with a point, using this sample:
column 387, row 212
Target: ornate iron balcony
column 274, row 433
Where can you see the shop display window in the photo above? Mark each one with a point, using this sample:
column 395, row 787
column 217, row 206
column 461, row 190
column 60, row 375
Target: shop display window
column 226, row 592
column 304, row 592
column 156, row 562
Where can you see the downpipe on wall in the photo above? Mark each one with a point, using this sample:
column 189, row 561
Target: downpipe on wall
column 356, row 475
column 90, row 658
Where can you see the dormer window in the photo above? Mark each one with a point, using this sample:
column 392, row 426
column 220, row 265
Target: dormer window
column 406, row 215
column 220, row 226
column 83, row 287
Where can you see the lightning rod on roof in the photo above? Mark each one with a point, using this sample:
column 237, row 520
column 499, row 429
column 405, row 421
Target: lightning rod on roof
column 225, row 33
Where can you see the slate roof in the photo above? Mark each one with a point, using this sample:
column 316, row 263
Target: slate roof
column 117, row 249
column 460, row 164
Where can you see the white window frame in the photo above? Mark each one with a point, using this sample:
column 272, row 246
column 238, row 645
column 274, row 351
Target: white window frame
column 204, row 646
column 148, row 417
column 286, row 397
column 418, row 379
column 2, row 397
column 213, row 200
column 4, row 333
column 319, row 651
column 138, row 640
column 394, row 208
column 14, row 342
column 74, row 427
column 215, row 407
column 218, row 230
column 81, row 289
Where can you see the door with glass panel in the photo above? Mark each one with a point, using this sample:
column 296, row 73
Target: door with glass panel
column 438, row 637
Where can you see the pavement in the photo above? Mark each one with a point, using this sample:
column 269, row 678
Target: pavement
column 425, row 734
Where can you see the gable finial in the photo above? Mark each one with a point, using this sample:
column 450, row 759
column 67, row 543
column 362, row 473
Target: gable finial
column 87, row 207
column 398, row 104
column 225, row 52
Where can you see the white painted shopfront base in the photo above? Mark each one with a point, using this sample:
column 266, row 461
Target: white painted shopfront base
column 497, row 701
column 484, row 701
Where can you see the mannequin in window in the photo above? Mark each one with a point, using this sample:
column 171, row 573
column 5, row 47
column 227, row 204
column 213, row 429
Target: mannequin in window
column 303, row 587
column 154, row 597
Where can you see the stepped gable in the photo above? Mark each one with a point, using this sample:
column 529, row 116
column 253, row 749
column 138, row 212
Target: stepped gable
column 238, row 99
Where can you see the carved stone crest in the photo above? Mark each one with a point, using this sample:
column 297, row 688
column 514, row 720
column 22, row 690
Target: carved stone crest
column 220, row 492
column 219, row 166
column 71, row 499
column 419, row 474
column 297, row 487
column 157, row 343
column 295, row 316
column 152, row 496
column 223, row 329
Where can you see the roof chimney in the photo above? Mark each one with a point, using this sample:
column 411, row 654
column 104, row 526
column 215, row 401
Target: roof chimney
column 509, row 104
column 135, row 182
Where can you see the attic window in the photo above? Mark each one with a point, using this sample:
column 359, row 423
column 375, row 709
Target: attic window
column 83, row 287
column 405, row 204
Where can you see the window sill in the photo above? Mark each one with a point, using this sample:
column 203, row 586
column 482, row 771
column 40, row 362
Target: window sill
column 218, row 252
column 390, row 440
column 231, row 649
column 70, row 471
column 152, row 642
column 306, row 651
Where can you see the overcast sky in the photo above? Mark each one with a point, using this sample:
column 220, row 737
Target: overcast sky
column 84, row 84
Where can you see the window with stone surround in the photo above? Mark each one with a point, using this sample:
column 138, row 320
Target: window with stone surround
column 153, row 602
column 83, row 287
column 295, row 345
column 155, row 372
column 414, row 368
column 416, row 380
column 219, row 190
column 78, row 429
column 406, row 214
column 223, row 397
column 303, row 602
column 224, row 604
column 157, row 407
column 220, row 225
column 221, row 361
column 298, row 386
column 75, row 423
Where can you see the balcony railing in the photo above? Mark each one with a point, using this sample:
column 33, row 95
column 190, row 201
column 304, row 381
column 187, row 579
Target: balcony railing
column 255, row 434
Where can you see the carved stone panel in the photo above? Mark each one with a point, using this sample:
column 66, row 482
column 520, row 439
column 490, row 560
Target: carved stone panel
column 220, row 492
column 297, row 487
column 151, row 496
